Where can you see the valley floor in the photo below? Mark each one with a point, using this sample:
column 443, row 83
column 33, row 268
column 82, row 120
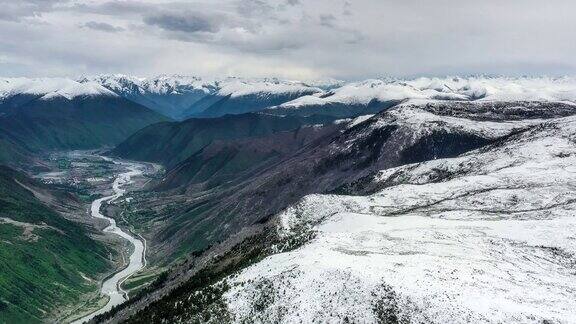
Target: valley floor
column 89, row 177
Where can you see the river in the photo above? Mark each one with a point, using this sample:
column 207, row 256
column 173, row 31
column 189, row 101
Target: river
column 137, row 261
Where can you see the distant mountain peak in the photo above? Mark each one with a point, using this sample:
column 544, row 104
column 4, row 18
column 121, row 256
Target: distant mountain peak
column 77, row 89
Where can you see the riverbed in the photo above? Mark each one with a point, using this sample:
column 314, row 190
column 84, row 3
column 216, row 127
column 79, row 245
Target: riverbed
column 137, row 261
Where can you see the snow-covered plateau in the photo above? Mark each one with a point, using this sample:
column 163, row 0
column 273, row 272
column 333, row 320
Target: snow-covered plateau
column 486, row 237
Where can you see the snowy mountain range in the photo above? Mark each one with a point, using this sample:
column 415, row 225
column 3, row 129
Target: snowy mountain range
column 181, row 97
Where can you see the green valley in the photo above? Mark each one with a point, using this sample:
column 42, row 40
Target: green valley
column 46, row 261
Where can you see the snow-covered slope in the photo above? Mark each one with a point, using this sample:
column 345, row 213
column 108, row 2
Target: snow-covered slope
column 487, row 237
column 424, row 90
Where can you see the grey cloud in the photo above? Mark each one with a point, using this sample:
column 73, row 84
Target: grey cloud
column 187, row 22
column 114, row 7
column 254, row 8
column 328, row 21
column 16, row 10
column 347, row 10
column 101, row 26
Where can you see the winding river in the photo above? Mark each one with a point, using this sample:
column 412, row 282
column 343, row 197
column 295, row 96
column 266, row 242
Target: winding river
column 111, row 286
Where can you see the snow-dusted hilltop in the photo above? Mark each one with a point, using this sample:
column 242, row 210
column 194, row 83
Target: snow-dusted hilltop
column 48, row 88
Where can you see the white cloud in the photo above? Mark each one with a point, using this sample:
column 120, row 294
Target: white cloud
column 323, row 38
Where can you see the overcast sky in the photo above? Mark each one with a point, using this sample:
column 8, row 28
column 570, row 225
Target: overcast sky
column 300, row 39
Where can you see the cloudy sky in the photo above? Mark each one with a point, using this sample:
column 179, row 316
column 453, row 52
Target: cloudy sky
column 304, row 39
